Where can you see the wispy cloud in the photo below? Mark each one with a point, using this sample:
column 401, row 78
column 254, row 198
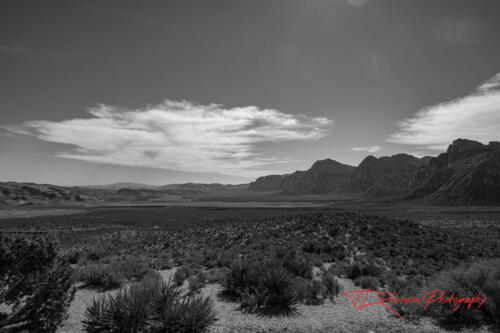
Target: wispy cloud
column 15, row 50
column 476, row 116
column 369, row 149
column 179, row 135
column 131, row 16
column 28, row 53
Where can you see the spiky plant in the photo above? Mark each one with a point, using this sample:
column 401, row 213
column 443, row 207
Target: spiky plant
column 275, row 297
column 151, row 306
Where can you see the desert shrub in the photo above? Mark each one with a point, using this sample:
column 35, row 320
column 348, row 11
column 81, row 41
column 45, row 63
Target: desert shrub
column 149, row 306
column 372, row 270
column 101, row 276
column 331, row 284
column 96, row 253
column 196, row 282
column 112, row 271
column 211, row 259
column 367, row 282
column 181, row 274
column 73, row 256
column 312, row 247
column 262, row 288
column 298, row 266
column 309, row 292
column 163, row 261
column 353, row 271
column 484, row 277
column 130, row 267
column 35, row 285
column 190, row 314
column 216, row 275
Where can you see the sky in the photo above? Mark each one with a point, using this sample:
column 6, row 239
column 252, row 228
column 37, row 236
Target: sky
column 158, row 92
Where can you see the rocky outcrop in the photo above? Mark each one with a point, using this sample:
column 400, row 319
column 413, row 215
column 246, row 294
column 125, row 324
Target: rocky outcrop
column 384, row 176
column 266, row 183
column 468, row 173
column 323, row 177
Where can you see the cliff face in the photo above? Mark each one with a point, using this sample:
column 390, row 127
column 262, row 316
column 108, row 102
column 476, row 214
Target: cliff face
column 384, row 176
column 468, row 173
column 323, row 177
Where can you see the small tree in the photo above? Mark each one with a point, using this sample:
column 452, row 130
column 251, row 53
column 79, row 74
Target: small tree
column 35, row 285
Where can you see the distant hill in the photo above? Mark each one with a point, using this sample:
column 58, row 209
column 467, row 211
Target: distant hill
column 384, row 176
column 324, row 176
column 267, row 183
column 12, row 193
column 23, row 194
column 468, row 173
column 118, row 186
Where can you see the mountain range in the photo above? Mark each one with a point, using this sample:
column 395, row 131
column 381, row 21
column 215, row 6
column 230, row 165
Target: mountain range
column 468, row 173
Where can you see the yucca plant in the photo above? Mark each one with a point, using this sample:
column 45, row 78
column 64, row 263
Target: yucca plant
column 262, row 288
column 186, row 315
column 150, row 306
column 275, row 297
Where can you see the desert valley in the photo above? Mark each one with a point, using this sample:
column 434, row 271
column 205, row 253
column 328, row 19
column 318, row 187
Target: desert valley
column 277, row 254
column 241, row 166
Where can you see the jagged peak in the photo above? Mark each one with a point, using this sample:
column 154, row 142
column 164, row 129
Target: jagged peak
column 465, row 144
column 326, row 161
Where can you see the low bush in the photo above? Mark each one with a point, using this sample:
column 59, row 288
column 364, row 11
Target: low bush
column 100, row 276
column 262, row 288
column 149, row 306
column 309, row 292
column 367, row 282
column 353, row 271
column 130, row 267
column 298, row 266
column 181, row 274
column 196, row 282
column 216, row 275
column 372, row 270
column 163, row 261
column 484, row 277
column 332, row 286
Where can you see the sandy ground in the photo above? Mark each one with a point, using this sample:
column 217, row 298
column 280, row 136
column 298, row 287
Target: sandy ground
column 337, row 316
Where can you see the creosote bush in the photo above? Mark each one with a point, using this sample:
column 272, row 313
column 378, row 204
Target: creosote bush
column 150, row 306
column 196, row 282
column 112, row 272
column 182, row 273
column 102, row 277
column 309, row 292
